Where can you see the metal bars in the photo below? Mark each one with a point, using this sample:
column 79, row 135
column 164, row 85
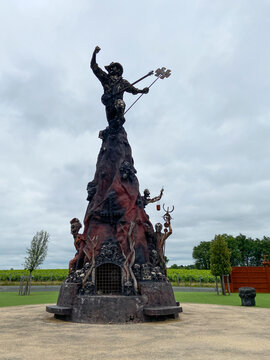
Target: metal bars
column 108, row 279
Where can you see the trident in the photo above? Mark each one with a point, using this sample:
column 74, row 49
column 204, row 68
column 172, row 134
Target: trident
column 159, row 73
column 167, row 217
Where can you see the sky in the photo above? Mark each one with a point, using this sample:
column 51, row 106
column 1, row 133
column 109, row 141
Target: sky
column 203, row 133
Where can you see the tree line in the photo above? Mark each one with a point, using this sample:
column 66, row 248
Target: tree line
column 243, row 251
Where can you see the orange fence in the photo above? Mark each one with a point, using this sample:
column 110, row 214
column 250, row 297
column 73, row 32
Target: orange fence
column 256, row 277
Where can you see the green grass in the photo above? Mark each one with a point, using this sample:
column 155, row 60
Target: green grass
column 262, row 300
column 50, row 297
column 13, row 299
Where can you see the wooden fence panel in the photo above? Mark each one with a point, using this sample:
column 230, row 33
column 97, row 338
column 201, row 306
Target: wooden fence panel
column 256, row 277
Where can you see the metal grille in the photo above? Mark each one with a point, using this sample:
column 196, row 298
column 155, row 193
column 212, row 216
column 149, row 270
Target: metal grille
column 108, row 279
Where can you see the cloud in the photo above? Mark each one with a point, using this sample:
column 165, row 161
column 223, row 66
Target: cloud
column 202, row 133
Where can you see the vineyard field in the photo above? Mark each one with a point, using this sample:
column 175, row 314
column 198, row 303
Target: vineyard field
column 174, row 275
column 37, row 275
column 190, row 275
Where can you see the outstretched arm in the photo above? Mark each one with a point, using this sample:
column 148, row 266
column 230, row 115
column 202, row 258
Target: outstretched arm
column 100, row 74
column 133, row 90
column 156, row 198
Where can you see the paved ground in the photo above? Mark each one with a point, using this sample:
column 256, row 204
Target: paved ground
column 203, row 332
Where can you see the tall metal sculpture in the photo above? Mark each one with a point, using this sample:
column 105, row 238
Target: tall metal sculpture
column 118, row 273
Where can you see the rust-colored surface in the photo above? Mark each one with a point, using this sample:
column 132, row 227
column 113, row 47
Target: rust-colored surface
column 266, row 262
column 256, row 277
column 116, row 201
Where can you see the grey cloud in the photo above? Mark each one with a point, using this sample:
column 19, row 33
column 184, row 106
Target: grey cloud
column 203, row 133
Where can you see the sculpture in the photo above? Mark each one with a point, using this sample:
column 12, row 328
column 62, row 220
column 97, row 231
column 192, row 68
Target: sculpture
column 119, row 253
column 146, row 197
column 114, row 87
column 161, row 239
column 79, row 243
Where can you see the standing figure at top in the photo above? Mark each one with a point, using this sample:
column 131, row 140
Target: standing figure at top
column 114, row 87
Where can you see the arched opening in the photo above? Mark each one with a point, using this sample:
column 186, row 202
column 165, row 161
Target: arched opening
column 108, row 279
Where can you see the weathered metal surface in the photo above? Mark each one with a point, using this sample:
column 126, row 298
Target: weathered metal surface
column 158, row 293
column 155, row 299
column 67, row 294
column 108, row 309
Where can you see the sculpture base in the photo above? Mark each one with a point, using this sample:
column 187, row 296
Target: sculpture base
column 155, row 302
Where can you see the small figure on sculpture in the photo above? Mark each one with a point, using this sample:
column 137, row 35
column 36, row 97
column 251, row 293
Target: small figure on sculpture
column 79, row 242
column 146, row 197
column 91, row 190
column 127, row 171
column 167, row 218
column 128, row 288
column 114, row 87
column 162, row 237
column 75, row 226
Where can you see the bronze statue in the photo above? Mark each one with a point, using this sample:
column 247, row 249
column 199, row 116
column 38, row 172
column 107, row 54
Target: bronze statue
column 79, row 243
column 161, row 238
column 119, row 253
column 114, row 87
column 146, row 197
column 75, row 226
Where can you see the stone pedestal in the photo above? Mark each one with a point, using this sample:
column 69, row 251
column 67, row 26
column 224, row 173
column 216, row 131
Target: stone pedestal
column 154, row 301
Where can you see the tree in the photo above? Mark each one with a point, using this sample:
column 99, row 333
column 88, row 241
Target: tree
column 220, row 259
column 201, row 254
column 266, row 246
column 235, row 255
column 166, row 259
column 37, row 252
column 245, row 246
column 256, row 253
column 244, row 251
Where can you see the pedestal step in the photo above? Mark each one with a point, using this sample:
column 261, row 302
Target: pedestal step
column 162, row 310
column 59, row 310
column 154, row 302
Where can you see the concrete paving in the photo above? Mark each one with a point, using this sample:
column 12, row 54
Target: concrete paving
column 211, row 332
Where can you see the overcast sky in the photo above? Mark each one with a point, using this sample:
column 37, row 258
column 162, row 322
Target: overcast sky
column 203, row 133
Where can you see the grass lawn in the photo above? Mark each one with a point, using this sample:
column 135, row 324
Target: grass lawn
column 13, row 299
column 50, row 297
column 262, row 300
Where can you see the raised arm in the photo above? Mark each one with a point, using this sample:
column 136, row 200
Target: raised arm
column 168, row 233
column 100, row 74
column 156, row 198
